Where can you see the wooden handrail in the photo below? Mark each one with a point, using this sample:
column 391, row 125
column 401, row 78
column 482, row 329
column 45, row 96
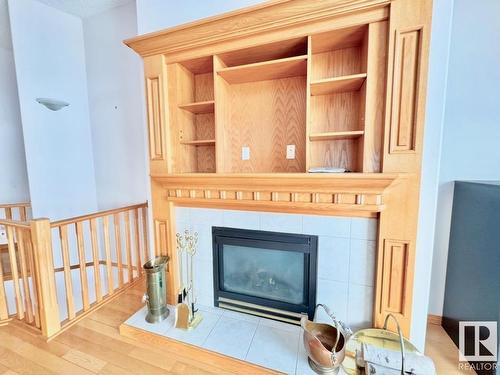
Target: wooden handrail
column 15, row 205
column 15, row 223
column 96, row 215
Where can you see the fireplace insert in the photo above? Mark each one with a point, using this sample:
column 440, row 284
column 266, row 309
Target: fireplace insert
column 263, row 273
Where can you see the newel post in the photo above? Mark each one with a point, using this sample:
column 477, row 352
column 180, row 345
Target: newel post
column 45, row 276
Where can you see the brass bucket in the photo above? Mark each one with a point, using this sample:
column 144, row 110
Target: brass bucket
column 156, row 295
column 324, row 343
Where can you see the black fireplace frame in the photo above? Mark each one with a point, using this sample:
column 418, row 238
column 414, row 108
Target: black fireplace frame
column 306, row 244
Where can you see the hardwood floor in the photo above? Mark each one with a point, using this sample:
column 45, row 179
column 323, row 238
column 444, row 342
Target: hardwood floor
column 440, row 347
column 94, row 345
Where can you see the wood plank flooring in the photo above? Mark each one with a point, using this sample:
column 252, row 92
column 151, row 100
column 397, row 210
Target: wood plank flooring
column 94, row 346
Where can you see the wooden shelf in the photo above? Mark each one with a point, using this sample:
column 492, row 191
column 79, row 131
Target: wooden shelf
column 331, row 136
column 199, row 107
column 338, row 84
column 263, row 71
column 203, row 142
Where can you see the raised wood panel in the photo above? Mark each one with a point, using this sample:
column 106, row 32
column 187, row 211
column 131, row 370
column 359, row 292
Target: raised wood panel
column 156, row 144
column 405, row 90
column 157, row 116
column 161, row 237
column 395, row 260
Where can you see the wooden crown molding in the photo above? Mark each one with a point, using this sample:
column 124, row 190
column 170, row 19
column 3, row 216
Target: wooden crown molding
column 269, row 16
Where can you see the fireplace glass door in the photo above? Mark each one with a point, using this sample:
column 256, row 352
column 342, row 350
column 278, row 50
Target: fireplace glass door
column 273, row 271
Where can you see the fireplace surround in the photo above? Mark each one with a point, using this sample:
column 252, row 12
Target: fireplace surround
column 265, row 273
column 346, row 255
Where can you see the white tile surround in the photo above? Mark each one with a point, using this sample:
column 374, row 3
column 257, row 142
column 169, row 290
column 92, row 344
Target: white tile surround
column 274, row 345
column 346, row 255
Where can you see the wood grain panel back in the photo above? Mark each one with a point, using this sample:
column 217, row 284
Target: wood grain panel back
column 266, row 116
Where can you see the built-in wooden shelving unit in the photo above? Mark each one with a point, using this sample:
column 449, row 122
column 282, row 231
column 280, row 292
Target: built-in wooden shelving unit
column 308, row 91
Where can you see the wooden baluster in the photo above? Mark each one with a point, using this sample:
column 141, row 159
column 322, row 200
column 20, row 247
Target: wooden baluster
column 45, row 275
column 70, row 302
column 137, row 242
column 24, row 274
column 107, row 249
column 83, row 267
column 22, row 213
column 13, row 271
column 118, row 247
column 4, row 312
column 35, row 280
column 8, row 213
column 127, row 246
column 145, row 233
column 95, row 255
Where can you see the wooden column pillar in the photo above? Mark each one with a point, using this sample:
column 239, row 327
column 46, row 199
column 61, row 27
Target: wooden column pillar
column 44, row 277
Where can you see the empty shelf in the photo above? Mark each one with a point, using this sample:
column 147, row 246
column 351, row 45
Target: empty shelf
column 338, row 84
column 203, row 142
column 199, row 107
column 330, row 136
column 262, row 71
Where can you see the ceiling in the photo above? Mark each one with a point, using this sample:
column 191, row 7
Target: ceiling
column 85, row 8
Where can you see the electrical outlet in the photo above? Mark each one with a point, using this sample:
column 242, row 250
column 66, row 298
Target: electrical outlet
column 3, row 235
column 290, row 151
column 245, row 153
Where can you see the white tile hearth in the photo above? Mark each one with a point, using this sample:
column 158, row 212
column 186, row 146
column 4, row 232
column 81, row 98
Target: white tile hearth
column 346, row 254
column 264, row 342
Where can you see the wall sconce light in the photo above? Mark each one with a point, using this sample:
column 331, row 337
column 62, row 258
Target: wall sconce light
column 52, row 104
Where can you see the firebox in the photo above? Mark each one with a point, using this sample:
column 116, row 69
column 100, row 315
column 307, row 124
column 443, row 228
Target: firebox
column 264, row 273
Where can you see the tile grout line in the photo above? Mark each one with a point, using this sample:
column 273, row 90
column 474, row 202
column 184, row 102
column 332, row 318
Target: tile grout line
column 206, row 338
column 251, row 341
column 298, row 352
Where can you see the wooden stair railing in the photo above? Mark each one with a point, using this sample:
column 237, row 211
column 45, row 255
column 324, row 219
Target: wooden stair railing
column 16, row 211
column 107, row 249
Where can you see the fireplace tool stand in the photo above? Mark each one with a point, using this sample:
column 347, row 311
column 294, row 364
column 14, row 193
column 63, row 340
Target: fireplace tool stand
column 187, row 315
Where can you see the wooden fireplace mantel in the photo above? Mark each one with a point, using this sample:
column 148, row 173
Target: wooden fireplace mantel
column 349, row 194
column 344, row 81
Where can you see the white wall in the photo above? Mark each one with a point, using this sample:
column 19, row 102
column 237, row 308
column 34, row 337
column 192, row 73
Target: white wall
column 14, row 185
column 115, row 95
column 50, row 62
column 154, row 15
column 471, row 136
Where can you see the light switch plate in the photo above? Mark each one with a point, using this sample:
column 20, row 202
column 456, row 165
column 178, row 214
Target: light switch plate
column 245, row 153
column 290, row 151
